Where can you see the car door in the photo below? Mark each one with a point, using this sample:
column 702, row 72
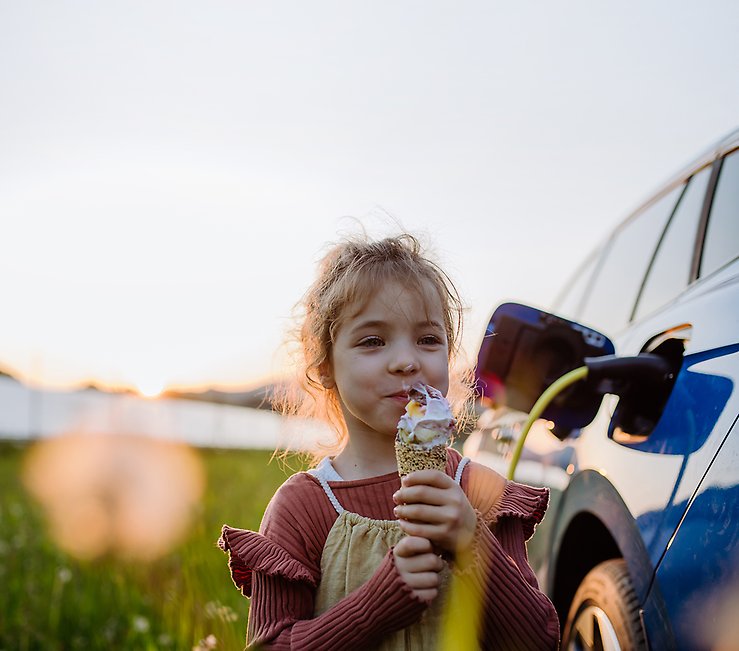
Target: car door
column 693, row 540
column 696, row 586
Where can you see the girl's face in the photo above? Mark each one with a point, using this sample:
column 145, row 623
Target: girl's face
column 396, row 339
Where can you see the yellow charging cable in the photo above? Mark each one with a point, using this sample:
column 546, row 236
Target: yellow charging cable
column 463, row 611
column 539, row 406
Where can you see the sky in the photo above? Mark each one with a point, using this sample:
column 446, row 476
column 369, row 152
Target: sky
column 171, row 172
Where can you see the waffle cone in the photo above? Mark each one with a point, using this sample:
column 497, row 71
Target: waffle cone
column 412, row 457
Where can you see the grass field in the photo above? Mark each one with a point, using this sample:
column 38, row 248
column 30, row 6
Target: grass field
column 51, row 601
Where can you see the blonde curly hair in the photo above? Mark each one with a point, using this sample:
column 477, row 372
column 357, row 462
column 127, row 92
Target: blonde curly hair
column 349, row 274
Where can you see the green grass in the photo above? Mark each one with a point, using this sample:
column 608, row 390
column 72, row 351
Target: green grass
column 52, row 601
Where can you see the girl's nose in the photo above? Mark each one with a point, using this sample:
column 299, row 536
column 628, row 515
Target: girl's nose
column 404, row 367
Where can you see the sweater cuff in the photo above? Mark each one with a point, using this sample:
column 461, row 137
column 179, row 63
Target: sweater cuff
column 393, row 603
column 381, row 606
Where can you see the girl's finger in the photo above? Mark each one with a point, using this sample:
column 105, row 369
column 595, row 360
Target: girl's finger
column 421, row 513
column 423, row 580
column 433, row 533
column 412, row 546
column 422, row 494
column 423, row 563
column 426, row 595
column 428, row 478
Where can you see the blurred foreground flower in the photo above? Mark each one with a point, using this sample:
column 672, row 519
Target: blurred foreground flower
column 206, row 644
column 127, row 495
column 217, row 610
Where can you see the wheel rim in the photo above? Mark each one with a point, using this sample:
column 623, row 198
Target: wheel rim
column 593, row 631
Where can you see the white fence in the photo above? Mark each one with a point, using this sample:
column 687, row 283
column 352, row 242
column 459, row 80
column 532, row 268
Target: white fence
column 32, row 413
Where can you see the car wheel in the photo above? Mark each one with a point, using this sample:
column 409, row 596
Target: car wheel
column 605, row 612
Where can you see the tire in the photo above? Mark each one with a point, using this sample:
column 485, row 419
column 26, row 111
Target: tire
column 604, row 615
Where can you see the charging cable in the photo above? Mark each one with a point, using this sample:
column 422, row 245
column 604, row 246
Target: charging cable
column 540, row 405
column 608, row 374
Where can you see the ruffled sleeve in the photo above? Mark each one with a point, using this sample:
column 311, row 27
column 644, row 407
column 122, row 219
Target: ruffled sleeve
column 525, row 503
column 249, row 552
column 515, row 613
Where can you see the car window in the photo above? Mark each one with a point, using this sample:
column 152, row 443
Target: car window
column 613, row 294
column 670, row 272
column 721, row 244
column 568, row 302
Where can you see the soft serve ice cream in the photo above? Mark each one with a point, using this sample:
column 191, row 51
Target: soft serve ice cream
column 424, row 431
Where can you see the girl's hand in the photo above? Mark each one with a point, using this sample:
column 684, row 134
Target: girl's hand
column 418, row 566
column 433, row 506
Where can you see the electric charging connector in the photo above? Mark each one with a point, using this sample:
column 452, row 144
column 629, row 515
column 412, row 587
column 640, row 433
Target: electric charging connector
column 608, row 374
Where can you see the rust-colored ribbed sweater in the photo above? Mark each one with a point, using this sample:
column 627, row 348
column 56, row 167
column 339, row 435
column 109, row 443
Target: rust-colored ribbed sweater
column 279, row 568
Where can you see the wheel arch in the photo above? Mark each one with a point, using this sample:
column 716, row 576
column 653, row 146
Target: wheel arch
column 575, row 560
column 593, row 525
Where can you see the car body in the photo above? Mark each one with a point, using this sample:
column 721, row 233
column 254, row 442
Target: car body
column 661, row 503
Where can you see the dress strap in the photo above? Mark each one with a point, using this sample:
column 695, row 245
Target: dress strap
column 460, row 469
column 325, row 472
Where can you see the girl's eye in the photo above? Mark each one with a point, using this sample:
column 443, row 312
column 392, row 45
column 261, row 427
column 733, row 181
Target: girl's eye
column 429, row 340
column 371, row 342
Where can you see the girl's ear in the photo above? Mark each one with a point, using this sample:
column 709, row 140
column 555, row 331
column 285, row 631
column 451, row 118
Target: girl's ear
column 326, row 376
column 327, row 381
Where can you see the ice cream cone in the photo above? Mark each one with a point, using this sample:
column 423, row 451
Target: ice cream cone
column 412, row 457
column 424, row 431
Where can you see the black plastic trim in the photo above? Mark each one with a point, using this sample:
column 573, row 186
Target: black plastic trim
column 703, row 223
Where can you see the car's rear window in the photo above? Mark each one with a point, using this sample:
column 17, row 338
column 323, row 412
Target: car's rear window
column 670, row 272
column 721, row 244
column 611, row 299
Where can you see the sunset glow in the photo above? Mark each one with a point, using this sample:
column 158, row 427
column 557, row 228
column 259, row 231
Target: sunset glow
column 150, row 387
column 162, row 220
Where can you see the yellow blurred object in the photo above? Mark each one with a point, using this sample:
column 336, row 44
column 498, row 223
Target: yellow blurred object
column 462, row 613
column 126, row 495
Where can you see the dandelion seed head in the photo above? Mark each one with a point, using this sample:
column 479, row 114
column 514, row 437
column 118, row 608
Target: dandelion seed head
column 140, row 624
column 64, row 574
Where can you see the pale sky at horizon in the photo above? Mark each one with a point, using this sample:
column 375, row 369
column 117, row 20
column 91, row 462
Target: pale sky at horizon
column 171, row 172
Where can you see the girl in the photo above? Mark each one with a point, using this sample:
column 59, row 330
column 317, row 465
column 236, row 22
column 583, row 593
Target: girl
column 347, row 555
